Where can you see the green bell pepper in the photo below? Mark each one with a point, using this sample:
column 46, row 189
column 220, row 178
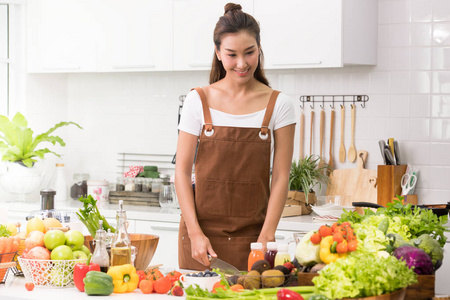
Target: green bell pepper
column 98, row 283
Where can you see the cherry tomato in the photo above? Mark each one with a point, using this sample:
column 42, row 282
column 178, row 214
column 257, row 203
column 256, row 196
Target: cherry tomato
column 325, row 230
column 352, row 245
column 342, row 247
column 346, row 224
column 338, row 236
column 29, row 286
column 315, row 238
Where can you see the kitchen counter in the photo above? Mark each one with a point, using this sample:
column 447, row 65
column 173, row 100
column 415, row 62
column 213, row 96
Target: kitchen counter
column 14, row 288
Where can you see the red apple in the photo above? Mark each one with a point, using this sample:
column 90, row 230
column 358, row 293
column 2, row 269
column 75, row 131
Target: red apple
column 38, row 252
column 34, row 239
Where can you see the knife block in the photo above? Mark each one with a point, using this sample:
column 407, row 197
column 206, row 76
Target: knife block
column 389, row 182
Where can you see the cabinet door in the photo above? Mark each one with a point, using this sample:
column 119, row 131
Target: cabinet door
column 300, row 33
column 167, row 250
column 135, row 35
column 194, row 23
column 61, row 36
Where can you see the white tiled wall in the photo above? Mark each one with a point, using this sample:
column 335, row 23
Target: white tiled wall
column 409, row 92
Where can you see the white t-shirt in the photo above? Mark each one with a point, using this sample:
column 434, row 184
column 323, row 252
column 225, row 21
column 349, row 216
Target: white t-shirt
column 192, row 119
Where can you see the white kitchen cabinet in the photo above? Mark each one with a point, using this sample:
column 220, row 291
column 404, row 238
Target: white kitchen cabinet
column 317, row 33
column 134, row 36
column 61, row 36
column 194, row 23
column 167, row 250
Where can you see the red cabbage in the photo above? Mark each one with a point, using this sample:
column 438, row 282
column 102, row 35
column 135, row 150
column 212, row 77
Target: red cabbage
column 415, row 257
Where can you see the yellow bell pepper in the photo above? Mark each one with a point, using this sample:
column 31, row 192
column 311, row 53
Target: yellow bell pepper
column 325, row 250
column 125, row 279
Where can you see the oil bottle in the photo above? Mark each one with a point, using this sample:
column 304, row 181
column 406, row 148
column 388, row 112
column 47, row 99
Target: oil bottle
column 121, row 245
column 100, row 255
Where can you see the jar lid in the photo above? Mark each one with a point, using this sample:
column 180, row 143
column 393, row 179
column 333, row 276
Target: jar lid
column 256, row 246
column 48, row 191
column 97, row 182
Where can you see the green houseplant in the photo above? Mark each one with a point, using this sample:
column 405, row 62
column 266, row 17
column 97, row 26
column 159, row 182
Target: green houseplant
column 17, row 143
column 306, row 174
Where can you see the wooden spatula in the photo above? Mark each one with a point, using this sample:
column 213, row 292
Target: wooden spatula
column 330, row 163
column 352, row 149
column 302, row 135
column 322, row 125
column 311, row 133
column 342, row 147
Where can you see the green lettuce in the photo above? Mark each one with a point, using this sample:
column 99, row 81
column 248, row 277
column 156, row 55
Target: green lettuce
column 18, row 144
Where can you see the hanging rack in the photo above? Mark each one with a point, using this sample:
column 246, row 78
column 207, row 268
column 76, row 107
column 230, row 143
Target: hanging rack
column 354, row 99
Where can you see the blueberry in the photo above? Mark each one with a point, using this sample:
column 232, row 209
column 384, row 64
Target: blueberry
column 214, row 274
column 207, row 271
column 200, row 274
column 207, row 275
column 194, row 275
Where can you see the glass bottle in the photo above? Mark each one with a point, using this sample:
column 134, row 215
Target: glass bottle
column 255, row 255
column 282, row 254
column 271, row 253
column 100, row 255
column 121, row 245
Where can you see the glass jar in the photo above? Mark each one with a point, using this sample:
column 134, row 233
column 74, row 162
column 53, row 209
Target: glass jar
column 156, row 185
column 79, row 185
column 138, row 184
column 147, row 185
column 120, row 184
column 129, row 184
column 166, row 196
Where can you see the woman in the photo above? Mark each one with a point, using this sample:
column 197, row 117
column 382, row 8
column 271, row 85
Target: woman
column 236, row 118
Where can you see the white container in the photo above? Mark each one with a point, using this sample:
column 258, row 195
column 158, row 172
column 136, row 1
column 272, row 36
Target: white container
column 60, row 184
column 99, row 190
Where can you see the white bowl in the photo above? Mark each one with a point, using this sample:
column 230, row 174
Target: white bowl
column 202, row 282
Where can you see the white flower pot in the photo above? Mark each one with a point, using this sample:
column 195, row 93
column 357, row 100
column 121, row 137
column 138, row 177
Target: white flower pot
column 18, row 179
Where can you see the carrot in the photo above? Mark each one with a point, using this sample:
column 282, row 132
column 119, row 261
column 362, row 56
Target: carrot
column 9, row 243
column 15, row 246
column 2, row 244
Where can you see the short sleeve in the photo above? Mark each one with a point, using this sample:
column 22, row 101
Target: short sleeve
column 191, row 120
column 284, row 112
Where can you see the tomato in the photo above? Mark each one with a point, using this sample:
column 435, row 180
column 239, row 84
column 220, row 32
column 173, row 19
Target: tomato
column 236, row 287
column 141, row 275
column 338, row 236
column 173, row 276
column 162, row 285
column 325, row 230
column 351, row 236
column 154, row 274
column 29, row 286
column 342, row 247
column 346, row 224
column 315, row 238
column 218, row 285
column 146, row 286
column 352, row 245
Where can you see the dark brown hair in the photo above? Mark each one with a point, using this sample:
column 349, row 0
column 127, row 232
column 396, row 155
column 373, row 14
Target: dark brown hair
column 235, row 20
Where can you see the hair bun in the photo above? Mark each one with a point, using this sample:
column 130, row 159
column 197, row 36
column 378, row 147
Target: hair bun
column 232, row 7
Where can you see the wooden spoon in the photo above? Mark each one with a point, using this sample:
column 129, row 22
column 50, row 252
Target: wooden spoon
column 322, row 125
column 311, row 133
column 330, row 163
column 342, row 147
column 352, row 149
column 302, row 135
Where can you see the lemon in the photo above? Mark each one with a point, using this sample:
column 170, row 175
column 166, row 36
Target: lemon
column 35, row 224
column 51, row 222
column 12, row 228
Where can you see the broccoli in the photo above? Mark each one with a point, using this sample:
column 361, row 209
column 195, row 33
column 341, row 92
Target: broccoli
column 395, row 240
column 431, row 247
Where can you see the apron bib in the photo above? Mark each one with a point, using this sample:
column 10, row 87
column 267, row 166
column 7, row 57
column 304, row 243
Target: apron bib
column 232, row 174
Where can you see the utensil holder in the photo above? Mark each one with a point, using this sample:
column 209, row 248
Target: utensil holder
column 389, row 182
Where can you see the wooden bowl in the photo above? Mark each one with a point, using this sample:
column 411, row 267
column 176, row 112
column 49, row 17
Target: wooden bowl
column 145, row 244
column 397, row 295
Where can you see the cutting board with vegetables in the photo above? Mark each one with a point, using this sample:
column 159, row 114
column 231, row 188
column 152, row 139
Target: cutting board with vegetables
column 358, row 183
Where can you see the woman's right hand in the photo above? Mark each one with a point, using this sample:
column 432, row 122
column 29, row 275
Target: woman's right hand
column 200, row 248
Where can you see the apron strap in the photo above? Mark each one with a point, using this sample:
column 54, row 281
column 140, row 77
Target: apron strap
column 206, row 112
column 269, row 111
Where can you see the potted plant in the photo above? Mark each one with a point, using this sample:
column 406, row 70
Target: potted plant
column 18, row 148
column 304, row 176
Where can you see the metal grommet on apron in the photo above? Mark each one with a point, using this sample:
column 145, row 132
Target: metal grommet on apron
column 232, row 172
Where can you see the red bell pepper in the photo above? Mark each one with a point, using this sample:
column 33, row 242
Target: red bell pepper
column 80, row 271
column 286, row 294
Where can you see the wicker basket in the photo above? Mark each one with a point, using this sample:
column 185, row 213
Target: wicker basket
column 49, row 273
column 6, row 258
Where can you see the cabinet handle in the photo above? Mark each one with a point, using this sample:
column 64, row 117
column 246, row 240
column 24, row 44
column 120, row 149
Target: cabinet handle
column 164, row 228
column 62, row 68
column 279, row 237
column 298, row 64
column 199, row 65
column 134, row 66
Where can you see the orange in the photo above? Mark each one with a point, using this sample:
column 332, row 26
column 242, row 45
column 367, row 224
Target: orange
column 35, row 224
column 236, row 287
column 218, row 285
column 51, row 222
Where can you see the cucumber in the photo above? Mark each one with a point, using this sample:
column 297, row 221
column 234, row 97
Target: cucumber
column 384, row 225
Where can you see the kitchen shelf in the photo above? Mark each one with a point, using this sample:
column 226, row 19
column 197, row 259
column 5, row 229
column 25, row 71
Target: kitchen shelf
column 334, row 99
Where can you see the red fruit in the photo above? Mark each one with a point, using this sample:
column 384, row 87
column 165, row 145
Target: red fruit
column 29, row 286
column 289, row 265
column 141, row 275
column 325, row 230
column 177, row 291
column 315, row 238
column 162, row 285
column 342, row 247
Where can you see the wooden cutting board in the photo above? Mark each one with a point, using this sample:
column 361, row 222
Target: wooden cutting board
column 358, row 183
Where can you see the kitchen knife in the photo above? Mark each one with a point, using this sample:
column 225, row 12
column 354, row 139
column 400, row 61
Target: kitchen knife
column 397, row 153
column 389, row 158
column 223, row 266
column 382, row 145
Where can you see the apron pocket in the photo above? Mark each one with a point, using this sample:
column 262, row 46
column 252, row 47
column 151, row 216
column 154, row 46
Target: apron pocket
column 237, row 198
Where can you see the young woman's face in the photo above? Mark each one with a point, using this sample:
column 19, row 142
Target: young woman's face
column 239, row 54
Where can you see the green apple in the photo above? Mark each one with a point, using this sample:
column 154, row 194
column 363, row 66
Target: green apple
column 78, row 254
column 59, row 276
column 85, row 250
column 74, row 239
column 62, row 252
column 53, row 239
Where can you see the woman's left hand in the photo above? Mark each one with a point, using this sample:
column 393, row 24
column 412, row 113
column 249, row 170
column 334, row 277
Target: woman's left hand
column 264, row 241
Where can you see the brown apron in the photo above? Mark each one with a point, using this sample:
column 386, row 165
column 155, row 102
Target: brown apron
column 232, row 172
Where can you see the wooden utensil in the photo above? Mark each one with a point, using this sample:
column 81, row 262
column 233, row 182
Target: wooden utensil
column 322, row 125
column 302, row 135
column 358, row 183
column 311, row 133
column 352, row 149
column 342, row 147
column 330, row 162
